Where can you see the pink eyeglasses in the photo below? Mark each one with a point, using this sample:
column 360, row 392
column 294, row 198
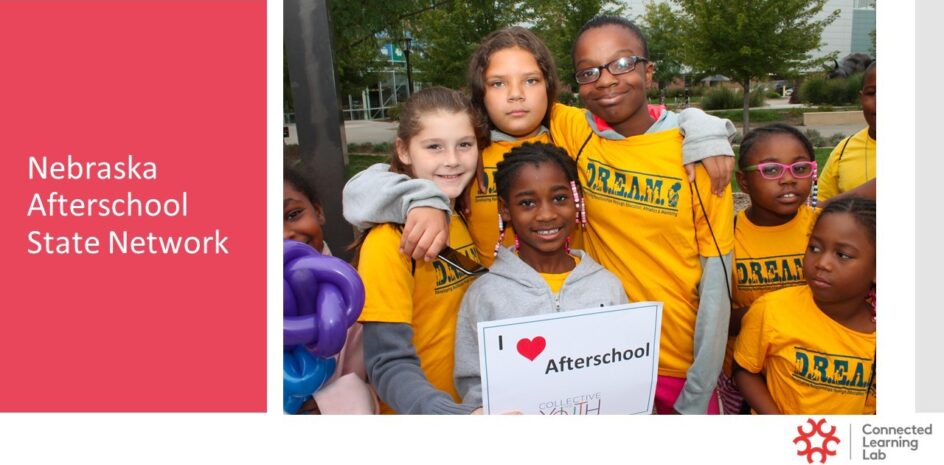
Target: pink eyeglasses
column 773, row 170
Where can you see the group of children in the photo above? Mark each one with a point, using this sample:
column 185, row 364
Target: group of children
column 573, row 208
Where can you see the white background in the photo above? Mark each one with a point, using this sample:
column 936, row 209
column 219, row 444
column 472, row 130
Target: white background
column 276, row 438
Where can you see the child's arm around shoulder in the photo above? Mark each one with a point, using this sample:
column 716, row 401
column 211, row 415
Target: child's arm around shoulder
column 708, row 140
column 377, row 195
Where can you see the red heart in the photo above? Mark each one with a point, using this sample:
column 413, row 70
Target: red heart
column 531, row 348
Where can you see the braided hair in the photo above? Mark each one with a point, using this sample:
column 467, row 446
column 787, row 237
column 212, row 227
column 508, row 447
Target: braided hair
column 863, row 210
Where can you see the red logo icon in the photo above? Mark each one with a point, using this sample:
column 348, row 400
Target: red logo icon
column 806, row 437
column 531, row 348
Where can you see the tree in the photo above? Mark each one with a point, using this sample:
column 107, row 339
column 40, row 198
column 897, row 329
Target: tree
column 444, row 38
column 748, row 39
column 557, row 23
column 360, row 29
column 663, row 32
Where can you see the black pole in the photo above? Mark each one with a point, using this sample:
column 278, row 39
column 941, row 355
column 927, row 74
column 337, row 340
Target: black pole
column 409, row 68
column 318, row 119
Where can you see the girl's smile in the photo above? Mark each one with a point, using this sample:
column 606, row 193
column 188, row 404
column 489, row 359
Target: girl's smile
column 444, row 151
column 542, row 211
column 301, row 220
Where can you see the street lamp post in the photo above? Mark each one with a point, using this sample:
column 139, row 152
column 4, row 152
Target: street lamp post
column 409, row 69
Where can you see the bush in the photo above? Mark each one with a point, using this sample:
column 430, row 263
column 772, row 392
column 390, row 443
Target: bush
column 368, row 148
column 839, row 91
column 394, row 112
column 724, row 98
column 815, row 138
column 758, row 97
column 835, row 139
column 720, row 99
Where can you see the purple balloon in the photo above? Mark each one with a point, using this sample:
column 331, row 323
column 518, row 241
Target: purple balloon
column 304, row 285
column 322, row 297
column 332, row 325
column 289, row 307
column 297, row 330
column 336, row 271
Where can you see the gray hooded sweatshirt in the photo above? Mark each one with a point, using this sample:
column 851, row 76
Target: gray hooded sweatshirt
column 513, row 289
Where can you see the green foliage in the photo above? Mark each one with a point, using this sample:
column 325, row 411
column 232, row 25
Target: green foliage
column 394, row 112
column 663, row 32
column 749, row 39
column 445, row 37
column 720, row 98
column 360, row 29
column 723, row 98
column 557, row 22
column 368, row 148
column 358, row 163
column 838, row 91
column 570, row 98
column 819, row 141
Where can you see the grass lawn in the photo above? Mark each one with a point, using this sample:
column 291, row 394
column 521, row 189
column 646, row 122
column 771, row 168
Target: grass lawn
column 358, row 163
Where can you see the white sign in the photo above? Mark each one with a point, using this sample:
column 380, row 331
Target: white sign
column 584, row 362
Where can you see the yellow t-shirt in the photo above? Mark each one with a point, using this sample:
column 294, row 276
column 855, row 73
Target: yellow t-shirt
column 483, row 221
column 646, row 225
column 813, row 365
column 556, row 280
column 427, row 298
column 767, row 258
column 855, row 167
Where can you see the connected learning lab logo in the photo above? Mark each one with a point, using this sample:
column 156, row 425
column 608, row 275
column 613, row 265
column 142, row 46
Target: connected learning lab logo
column 816, row 434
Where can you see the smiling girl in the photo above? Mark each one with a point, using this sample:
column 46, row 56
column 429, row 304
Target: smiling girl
column 410, row 309
column 539, row 197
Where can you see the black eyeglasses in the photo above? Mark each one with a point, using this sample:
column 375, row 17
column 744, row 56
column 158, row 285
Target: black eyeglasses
column 616, row 67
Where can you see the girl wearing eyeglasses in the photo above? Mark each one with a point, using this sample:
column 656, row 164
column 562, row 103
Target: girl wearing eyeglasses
column 777, row 168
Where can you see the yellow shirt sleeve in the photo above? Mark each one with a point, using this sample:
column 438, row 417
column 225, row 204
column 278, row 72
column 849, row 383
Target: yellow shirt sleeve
column 569, row 128
column 750, row 350
column 718, row 225
column 388, row 277
column 828, row 179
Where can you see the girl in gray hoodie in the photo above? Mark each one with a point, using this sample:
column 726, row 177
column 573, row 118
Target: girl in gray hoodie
column 539, row 196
